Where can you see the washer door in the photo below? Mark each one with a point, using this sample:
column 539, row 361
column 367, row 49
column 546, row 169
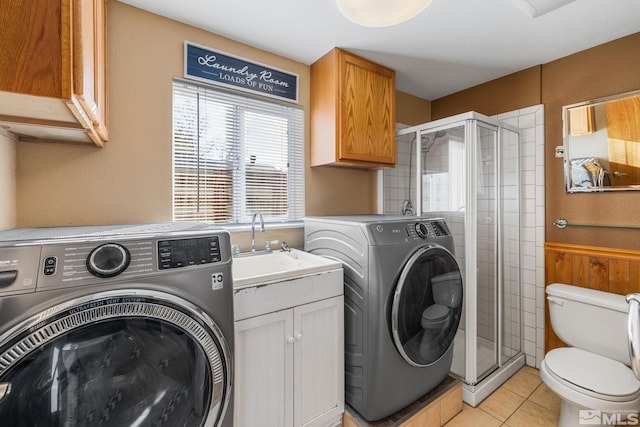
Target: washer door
column 121, row 358
column 427, row 305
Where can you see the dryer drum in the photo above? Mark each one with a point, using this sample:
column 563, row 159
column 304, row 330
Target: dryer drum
column 114, row 358
column 427, row 306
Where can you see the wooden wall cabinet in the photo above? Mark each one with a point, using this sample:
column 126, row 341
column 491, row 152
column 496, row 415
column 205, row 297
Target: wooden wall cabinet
column 353, row 119
column 53, row 70
column 582, row 120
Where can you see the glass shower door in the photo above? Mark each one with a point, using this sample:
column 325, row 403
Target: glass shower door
column 468, row 172
column 443, row 182
column 510, row 304
column 484, row 218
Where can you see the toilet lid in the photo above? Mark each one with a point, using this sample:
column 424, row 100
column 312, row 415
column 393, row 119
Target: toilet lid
column 592, row 372
column 435, row 312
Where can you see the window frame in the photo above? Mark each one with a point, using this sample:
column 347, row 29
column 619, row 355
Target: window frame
column 295, row 148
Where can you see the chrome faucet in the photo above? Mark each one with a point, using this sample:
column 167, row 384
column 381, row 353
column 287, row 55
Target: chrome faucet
column 253, row 229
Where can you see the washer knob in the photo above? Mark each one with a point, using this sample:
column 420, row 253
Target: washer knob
column 108, row 260
column 422, row 230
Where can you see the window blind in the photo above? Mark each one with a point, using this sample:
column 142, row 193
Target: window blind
column 234, row 155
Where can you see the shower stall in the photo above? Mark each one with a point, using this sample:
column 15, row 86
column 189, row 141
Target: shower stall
column 467, row 171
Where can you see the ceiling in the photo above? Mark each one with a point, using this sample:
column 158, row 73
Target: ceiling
column 453, row 45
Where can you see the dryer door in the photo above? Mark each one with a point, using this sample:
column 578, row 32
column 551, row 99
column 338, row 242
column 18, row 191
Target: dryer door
column 130, row 357
column 427, row 305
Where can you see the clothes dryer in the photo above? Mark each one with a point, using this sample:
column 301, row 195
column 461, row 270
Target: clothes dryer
column 116, row 325
column 403, row 302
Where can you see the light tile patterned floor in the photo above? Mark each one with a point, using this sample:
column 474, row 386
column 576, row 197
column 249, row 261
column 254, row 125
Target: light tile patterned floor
column 523, row 401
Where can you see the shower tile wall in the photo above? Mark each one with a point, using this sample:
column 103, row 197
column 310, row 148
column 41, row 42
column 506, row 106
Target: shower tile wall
column 531, row 123
column 396, row 180
column 531, row 306
column 511, row 229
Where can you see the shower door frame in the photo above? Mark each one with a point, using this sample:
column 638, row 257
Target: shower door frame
column 503, row 367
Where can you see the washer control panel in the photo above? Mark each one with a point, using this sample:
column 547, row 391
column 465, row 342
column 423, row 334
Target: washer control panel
column 60, row 265
column 182, row 252
column 62, row 257
column 69, row 264
column 108, row 260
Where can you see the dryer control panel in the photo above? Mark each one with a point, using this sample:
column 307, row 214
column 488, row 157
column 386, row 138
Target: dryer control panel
column 401, row 232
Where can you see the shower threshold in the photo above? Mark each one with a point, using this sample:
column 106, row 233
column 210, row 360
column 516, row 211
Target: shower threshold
column 473, row 395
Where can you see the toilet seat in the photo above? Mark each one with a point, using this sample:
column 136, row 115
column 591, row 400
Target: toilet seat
column 435, row 313
column 592, row 374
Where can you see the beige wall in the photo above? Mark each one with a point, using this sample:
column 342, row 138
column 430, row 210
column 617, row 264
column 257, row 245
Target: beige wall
column 412, row 110
column 508, row 93
column 601, row 71
column 130, row 179
column 7, row 180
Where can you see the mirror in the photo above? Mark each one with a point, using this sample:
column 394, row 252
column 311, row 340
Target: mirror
column 602, row 144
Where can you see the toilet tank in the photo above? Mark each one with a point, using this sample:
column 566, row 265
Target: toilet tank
column 592, row 320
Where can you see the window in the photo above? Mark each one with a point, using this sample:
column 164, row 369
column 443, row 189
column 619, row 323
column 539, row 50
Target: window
column 444, row 179
column 234, row 155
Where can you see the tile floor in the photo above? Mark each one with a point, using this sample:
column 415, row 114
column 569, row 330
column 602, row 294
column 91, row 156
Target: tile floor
column 523, row 401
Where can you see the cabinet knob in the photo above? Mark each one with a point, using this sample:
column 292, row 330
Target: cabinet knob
column 290, row 340
column 298, row 336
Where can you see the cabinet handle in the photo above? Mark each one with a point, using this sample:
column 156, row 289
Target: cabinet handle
column 290, row 340
column 298, row 336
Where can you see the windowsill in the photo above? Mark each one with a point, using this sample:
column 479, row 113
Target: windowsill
column 267, row 226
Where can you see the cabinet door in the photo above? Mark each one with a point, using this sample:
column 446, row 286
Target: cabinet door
column 32, row 60
column 319, row 362
column 367, row 117
column 53, row 70
column 264, row 370
column 89, row 64
column 623, row 129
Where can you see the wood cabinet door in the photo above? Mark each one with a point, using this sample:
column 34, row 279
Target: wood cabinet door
column 53, row 70
column 623, row 129
column 32, row 57
column 367, row 115
column 89, row 62
column 319, row 362
column 582, row 120
column 264, row 370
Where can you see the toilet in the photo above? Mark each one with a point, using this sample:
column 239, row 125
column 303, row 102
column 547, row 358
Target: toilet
column 593, row 376
column 440, row 319
column 447, row 295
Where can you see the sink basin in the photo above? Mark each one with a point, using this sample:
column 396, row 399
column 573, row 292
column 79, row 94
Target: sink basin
column 278, row 266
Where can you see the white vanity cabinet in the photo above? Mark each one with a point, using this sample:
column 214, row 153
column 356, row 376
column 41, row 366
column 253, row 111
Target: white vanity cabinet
column 289, row 352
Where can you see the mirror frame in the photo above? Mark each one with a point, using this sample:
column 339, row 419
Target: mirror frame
column 588, row 118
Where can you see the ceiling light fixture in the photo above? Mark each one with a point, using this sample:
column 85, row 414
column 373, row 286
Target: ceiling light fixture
column 535, row 8
column 381, row 13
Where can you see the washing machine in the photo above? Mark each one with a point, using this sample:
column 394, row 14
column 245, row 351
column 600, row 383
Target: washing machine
column 128, row 325
column 403, row 302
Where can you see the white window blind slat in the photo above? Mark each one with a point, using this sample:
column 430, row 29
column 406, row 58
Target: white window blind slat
column 234, row 155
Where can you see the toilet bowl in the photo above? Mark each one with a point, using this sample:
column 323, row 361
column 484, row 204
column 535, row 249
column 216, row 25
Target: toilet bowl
column 447, row 295
column 592, row 377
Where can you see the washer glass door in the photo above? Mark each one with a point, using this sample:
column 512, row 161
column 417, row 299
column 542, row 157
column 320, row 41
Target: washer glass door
column 427, row 305
column 115, row 360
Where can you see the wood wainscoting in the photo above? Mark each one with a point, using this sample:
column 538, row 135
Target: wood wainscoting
column 604, row 269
